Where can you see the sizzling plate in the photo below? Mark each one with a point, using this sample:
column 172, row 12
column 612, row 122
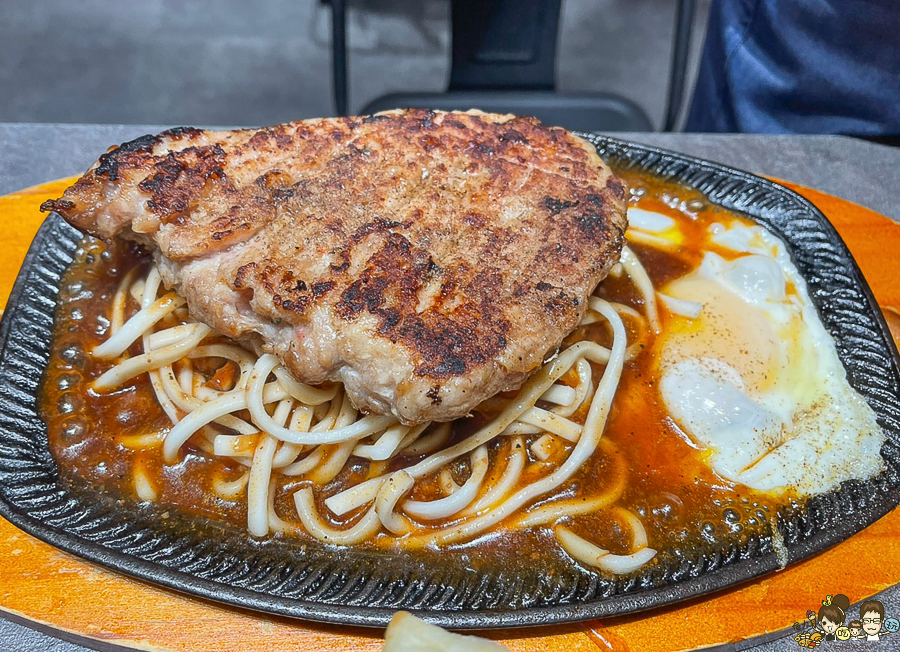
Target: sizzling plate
column 365, row 587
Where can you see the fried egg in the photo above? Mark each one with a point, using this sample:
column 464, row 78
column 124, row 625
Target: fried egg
column 749, row 373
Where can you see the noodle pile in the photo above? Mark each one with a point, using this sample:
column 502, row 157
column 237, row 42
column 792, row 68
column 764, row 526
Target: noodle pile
column 254, row 413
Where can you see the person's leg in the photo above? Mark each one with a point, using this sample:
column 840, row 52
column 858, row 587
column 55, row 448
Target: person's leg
column 712, row 108
column 800, row 66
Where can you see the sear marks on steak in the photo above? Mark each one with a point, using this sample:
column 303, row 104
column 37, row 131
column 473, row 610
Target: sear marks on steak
column 427, row 260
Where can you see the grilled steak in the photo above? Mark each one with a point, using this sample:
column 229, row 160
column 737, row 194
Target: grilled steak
column 427, row 260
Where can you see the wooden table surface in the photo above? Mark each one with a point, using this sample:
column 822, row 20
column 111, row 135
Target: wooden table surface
column 43, row 585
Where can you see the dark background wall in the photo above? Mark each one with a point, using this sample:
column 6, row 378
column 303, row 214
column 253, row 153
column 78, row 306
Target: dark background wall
column 248, row 63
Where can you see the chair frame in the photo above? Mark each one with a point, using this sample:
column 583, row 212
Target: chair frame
column 510, row 46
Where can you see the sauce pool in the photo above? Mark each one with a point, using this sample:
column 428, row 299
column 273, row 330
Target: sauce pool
column 681, row 503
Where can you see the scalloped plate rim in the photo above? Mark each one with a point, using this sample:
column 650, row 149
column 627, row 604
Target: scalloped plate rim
column 728, row 576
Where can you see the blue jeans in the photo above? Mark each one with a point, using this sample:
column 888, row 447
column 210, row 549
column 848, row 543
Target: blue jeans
column 800, row 66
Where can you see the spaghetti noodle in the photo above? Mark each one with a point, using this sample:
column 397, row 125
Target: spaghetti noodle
column 422, row 486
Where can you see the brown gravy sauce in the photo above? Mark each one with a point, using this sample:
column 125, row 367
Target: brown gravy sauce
column 680, row 501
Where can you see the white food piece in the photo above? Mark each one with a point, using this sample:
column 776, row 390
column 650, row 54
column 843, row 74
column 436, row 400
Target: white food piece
column 649, row 221
column 406, row 633
column 653, row 229
column 689, row 309
column 755, row 380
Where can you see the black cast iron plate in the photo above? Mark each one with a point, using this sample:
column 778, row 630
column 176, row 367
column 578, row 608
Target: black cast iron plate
column 330, row 584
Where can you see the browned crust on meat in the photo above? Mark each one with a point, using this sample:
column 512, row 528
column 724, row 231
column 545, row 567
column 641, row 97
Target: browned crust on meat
column 448, row 342
column 454, row 236
column 287, row 291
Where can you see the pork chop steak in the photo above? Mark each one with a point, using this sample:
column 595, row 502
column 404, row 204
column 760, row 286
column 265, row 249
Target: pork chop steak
column 427, row 260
